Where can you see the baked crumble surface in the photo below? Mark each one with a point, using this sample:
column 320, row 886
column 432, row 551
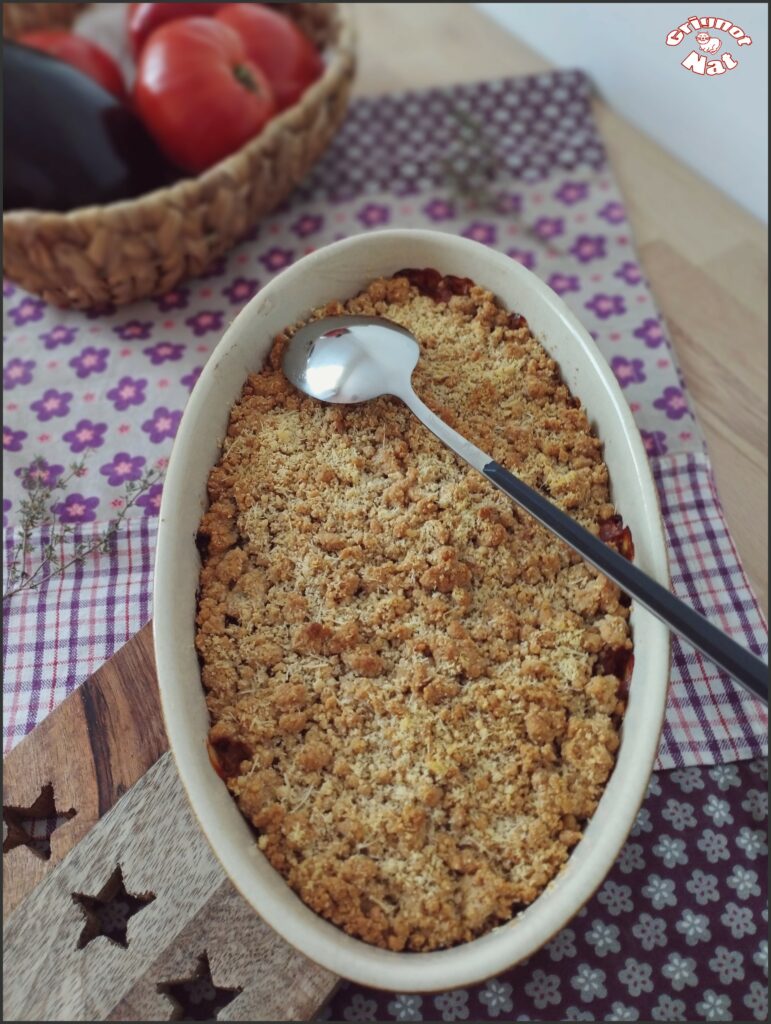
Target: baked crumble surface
column 410, row 681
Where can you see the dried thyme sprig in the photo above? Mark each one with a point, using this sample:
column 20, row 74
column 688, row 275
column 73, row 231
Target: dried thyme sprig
column 38, row 511
column 472, row 168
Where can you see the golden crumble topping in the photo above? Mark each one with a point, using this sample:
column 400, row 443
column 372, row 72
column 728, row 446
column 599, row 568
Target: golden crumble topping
column 415, row 689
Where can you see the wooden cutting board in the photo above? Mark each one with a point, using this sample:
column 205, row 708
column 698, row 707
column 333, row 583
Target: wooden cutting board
column 124, row 913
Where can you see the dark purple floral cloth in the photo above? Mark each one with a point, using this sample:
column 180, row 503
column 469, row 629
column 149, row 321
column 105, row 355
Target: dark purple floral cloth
column 678, row 931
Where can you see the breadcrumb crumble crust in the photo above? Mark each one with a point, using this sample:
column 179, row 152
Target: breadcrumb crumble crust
column 415, row 689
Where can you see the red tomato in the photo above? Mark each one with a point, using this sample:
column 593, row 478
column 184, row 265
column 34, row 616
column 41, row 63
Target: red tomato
column 142, row 19
column 275, row 44
column 198, row 94
column 82, row 54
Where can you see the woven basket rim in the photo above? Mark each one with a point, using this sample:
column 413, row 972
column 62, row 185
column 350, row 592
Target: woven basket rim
column 336, row 69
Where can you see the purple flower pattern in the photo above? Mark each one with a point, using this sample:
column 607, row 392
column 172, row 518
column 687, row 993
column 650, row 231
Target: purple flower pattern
column 52, row 403
column 630, row 273
column 59, row 335
column 523, row 256
column 28, row 310
column 673, row 403
column 17, row 372
column 77, row 509
column 150, row 501
column 134, row 330
column 480, row 231
column 604, row 306
column 564, row 283
column 39, row 471
column 549, row 227
column 178, row 298
column 509, row 203
column 241, row 290
column 307, row 225
column 12, row 439
column 439, row 209
column 613, row 213
column 122, row 468
column 572, row 192
column 277, row 258
column 627, row 371
column 374, row 215
column 650, row 332
column 90, row 360
column 205, row 321
column 164, row 352
column 655, row 442
column 162, row 424
column 127, row 392
column 85, row 435
column 588, row 247
column 189, row 379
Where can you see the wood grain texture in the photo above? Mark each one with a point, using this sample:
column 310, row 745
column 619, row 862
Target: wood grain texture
column 239, row 946
column 92, row 748
column 699, row 249
column 152, row 835
column 729, row 394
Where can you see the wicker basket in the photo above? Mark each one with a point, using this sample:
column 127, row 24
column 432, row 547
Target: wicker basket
column 118, row 253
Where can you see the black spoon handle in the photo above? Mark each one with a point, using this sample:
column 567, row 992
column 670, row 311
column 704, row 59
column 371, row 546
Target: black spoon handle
column 746, row 668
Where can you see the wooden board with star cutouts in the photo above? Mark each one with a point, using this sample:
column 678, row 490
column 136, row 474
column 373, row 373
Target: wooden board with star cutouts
column 115, row 907
column 68, row 772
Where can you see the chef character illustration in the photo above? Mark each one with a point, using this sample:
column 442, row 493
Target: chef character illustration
column 707, row 43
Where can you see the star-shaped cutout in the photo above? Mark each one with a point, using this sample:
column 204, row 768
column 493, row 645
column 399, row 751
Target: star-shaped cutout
column 108, row 912
column 198, row 998
column 33, row 826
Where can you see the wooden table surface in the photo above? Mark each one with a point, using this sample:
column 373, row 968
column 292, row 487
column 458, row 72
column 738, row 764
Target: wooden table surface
column 705, row 257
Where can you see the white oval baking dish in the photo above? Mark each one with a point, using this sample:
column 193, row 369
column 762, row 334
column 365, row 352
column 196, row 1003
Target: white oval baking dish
column 339, row 271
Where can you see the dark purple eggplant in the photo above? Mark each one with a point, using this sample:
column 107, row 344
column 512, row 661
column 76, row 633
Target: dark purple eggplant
column 67, row 141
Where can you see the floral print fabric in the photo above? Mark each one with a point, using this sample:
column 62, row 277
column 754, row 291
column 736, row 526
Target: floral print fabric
column 677, row 932
column 115, row 382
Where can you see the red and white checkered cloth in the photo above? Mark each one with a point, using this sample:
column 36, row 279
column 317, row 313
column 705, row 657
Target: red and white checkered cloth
column 57, row 636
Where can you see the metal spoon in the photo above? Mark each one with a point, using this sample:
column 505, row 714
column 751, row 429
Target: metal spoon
column 351, row 359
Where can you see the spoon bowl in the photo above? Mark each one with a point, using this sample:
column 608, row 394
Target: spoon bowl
column 351, row 359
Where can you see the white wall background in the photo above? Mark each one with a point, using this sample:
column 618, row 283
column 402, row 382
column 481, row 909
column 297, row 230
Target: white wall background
column 718, row 125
